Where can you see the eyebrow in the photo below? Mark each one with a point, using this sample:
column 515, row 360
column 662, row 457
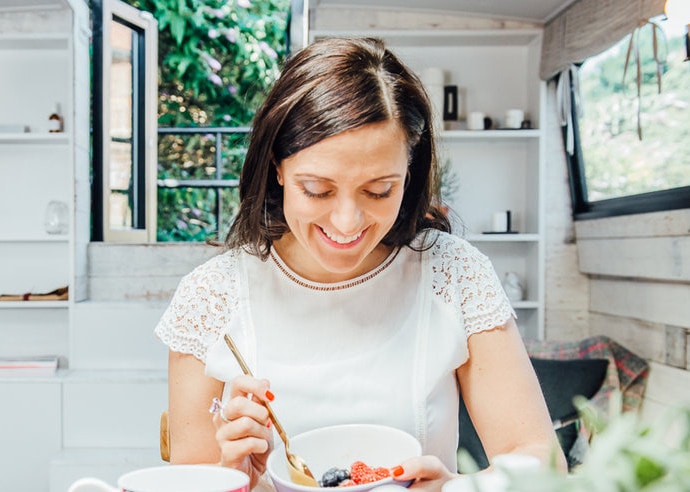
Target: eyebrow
column 323, row 178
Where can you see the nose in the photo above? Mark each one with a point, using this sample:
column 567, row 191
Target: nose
column 346, row 216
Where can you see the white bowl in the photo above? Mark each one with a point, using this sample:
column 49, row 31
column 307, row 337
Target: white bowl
column 340, row 446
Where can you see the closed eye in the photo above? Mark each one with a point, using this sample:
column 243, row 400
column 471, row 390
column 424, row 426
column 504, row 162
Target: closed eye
column 379, row 196
column 311, row 194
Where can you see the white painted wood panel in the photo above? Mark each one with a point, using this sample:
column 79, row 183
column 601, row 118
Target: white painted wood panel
column 662, row 258
column 667, row 223
column 145, row 260
column 655, row 302
column 648, row 340
column 666, row 387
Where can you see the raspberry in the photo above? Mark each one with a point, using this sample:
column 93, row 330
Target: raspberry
column 362, row 473
column 347, row 483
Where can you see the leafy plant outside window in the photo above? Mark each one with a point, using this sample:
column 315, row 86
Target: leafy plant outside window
column 619, row 170
column 217, row 60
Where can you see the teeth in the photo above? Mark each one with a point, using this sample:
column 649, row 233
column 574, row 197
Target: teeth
column 341, row 239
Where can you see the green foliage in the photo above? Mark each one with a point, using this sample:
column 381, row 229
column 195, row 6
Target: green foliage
column 217, row 60
column 617, row 162
column 626, row 455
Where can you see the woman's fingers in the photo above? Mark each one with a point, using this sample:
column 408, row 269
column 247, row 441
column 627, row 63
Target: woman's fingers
column 240, row 406
column 428, row 473
column 244, row 385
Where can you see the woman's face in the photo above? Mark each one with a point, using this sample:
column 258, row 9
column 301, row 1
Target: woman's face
column 341, row 197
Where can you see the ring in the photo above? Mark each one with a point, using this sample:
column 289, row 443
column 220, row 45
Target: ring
column 217, row 407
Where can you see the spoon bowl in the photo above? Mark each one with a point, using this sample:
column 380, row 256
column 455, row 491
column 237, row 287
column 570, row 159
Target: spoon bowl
column 297, row 467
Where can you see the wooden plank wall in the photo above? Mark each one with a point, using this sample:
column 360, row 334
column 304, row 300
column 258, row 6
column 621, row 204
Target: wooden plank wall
column 639, row 294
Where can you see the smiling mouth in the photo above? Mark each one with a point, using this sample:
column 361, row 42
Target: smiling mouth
column 342, row 239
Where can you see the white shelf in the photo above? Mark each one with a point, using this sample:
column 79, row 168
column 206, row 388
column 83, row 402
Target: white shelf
column 58, row 238
column 507, row 134
column 34, row 304
column 35, row 138
column 93, row 376
column 503, row 238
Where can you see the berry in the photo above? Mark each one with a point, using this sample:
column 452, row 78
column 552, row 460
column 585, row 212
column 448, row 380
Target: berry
column 334, row 477
column 362, row 473
column 342, row 474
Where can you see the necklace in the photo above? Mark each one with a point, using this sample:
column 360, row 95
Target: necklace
column 338, row 286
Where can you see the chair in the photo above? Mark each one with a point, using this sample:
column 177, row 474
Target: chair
column 561, row 381
column 164, row 443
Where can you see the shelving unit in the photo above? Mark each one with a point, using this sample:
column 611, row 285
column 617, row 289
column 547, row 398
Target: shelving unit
column 44, row 60
column 36, row 164
column 498, row 169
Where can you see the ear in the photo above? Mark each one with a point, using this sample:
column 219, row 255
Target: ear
column 279, row 174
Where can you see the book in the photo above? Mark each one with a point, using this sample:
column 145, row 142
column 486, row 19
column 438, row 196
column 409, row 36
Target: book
column 61, row 294
column 28, row 366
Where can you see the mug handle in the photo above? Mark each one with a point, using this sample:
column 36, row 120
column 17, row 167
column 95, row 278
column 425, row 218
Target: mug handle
column 88, row 483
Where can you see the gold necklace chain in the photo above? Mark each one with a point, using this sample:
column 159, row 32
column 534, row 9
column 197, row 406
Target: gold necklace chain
column 342, row 286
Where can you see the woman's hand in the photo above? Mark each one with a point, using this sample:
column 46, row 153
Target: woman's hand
column 243, row 428
column 428, row 472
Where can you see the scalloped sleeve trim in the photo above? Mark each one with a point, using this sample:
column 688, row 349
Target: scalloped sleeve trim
column 201, row 307
column 465, row 280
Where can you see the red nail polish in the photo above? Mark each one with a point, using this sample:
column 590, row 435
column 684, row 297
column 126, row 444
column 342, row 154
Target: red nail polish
column 269, row 424
column 397, row 471
column 270, row 396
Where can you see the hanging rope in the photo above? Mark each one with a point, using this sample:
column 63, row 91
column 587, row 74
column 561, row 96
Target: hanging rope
column 634, row 51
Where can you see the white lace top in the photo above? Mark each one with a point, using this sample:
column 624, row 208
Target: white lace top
column 382, row 348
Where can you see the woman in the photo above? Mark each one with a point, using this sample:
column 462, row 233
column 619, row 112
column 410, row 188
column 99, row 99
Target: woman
column 344, row 288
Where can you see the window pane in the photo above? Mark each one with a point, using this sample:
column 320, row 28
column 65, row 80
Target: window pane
column 121, row 124
column 617, row 163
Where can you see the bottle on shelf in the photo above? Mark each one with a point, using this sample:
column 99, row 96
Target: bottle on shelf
column 56, row 123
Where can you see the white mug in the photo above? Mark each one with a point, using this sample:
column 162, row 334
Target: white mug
column 514, row 118
column 475, row 120
column 181, row 478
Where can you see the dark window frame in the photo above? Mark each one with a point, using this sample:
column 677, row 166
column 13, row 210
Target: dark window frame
column 138, row 141
column 583, row 209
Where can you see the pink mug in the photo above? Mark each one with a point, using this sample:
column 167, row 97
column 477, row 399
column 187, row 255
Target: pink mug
column 178, row 478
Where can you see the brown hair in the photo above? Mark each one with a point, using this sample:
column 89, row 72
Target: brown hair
column 331, row 86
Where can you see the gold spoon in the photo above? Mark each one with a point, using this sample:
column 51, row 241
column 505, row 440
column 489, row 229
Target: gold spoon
column 297, row 468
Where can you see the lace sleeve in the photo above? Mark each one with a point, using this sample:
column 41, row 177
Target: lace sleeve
column 465, row 279
column 201, row 307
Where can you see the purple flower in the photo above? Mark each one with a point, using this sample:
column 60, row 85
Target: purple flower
column 213, row 33
column 232, row 90
column 268, row 50
column 219, row 13
column 213, row 63
column 226, row 117
column 196, row 212
column 215, row 79
column 181, row 224
column 231, row 35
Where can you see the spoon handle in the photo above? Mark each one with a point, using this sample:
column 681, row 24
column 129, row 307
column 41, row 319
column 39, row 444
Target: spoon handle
column 245, row 368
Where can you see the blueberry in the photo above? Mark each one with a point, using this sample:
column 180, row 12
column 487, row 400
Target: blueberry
column 329, row 478
column 342, row 474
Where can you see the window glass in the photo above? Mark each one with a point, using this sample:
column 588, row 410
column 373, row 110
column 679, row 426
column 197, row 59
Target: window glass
column 616, row 161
